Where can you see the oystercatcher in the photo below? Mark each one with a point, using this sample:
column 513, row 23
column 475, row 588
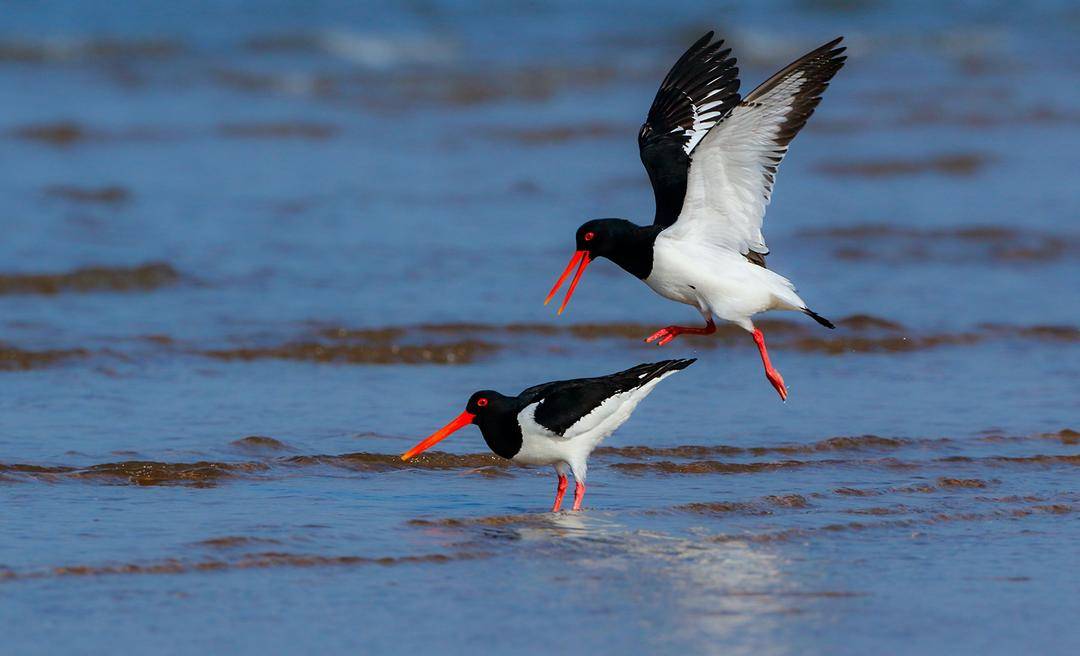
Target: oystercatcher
column 557, row 423
column 712, row 159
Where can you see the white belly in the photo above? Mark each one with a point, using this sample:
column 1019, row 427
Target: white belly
column 715, row 281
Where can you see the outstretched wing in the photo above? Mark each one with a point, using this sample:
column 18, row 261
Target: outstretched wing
column 731, row 177
column 570, row 408
column 701, row 88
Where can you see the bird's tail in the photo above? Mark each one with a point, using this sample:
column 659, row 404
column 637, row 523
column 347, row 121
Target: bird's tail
column 818, row 318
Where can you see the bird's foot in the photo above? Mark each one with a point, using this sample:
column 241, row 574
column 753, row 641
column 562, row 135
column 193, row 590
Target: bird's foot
column 669, row 333
column 665, row 335
column 777, row 382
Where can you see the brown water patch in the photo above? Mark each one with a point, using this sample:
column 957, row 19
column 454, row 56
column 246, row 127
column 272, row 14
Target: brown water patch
column 1066, row 436
column 1041, row 332
column 147, row 472
column 62, row 134
column 860, row 322
column 854, row 443
column 260, row 443
column 1012, row 499
column 88, row 50
column 856, row 492
column 431, row 460
column 724, row 508
column 711, row 466
column 921, row 488
column 857, row 443
column 54, row 134
column 263, row 560
column 899, row 243
column 34, row 469
column 232, row 541
column 881, row 510
column 15, row 359
column 974, row 483
column 688, row 451
column 91, row 279
column 368, row 334
column 282, row 130
column 108, row 195
column 788, row 501
column 462, row 352
column 898, row 344
column 958, row 164
column 1053, row 508
column 532, row 136
column 1041, row 459
column 858, row 334
column 496, row 520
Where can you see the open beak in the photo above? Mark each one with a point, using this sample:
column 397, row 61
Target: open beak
column 579, row 256
column 464, row 419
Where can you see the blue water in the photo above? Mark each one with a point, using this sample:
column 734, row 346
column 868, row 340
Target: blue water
column 305, row 167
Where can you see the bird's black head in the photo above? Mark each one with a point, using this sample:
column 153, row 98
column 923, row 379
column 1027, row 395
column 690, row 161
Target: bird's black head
column 483, row 404
column 619, row 240
column 603, row 237
column 496, row 416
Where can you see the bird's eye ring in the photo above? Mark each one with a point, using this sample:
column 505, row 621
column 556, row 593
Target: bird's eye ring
column 481, row 402
column 589, row 236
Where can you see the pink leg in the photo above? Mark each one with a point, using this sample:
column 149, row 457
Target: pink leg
column 665, row 335
column 559, row 492
column 772, row 374
column 579, row 494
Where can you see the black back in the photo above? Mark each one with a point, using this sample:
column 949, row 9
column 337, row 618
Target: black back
column 563, row 403
column 702, row 87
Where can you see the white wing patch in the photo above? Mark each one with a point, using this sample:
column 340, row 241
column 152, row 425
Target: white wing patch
column 705, row 117
column 731, row 176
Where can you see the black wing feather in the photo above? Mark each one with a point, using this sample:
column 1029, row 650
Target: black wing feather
column 699, row 90
column 563, row 403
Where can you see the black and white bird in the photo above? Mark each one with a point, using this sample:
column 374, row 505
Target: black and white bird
column 712, row 159
column 557, row 423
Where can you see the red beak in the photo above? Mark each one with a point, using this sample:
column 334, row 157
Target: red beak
column 464, row 419
column 583, row 257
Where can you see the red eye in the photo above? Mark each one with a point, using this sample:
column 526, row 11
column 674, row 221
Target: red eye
column 589, row 236
column 481, row 402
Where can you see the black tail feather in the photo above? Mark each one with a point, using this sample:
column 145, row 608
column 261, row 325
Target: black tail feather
column 818, row 318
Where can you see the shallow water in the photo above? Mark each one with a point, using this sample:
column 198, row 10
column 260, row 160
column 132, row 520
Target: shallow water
column 253, row 252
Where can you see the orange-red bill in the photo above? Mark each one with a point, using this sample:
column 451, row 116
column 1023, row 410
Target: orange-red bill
column 573, row 283
column 579, row 256
column 464, row 419
column 569, row 267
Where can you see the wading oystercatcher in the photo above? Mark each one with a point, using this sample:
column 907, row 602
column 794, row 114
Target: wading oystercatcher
column 712, row 160
column 557, row 423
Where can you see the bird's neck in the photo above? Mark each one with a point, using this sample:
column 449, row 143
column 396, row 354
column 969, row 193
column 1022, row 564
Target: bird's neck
column 502, row 432
column 634, row 253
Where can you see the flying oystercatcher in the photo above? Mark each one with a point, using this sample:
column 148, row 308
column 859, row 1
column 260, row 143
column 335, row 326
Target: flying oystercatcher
column 557, row 423
column 712, row 159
